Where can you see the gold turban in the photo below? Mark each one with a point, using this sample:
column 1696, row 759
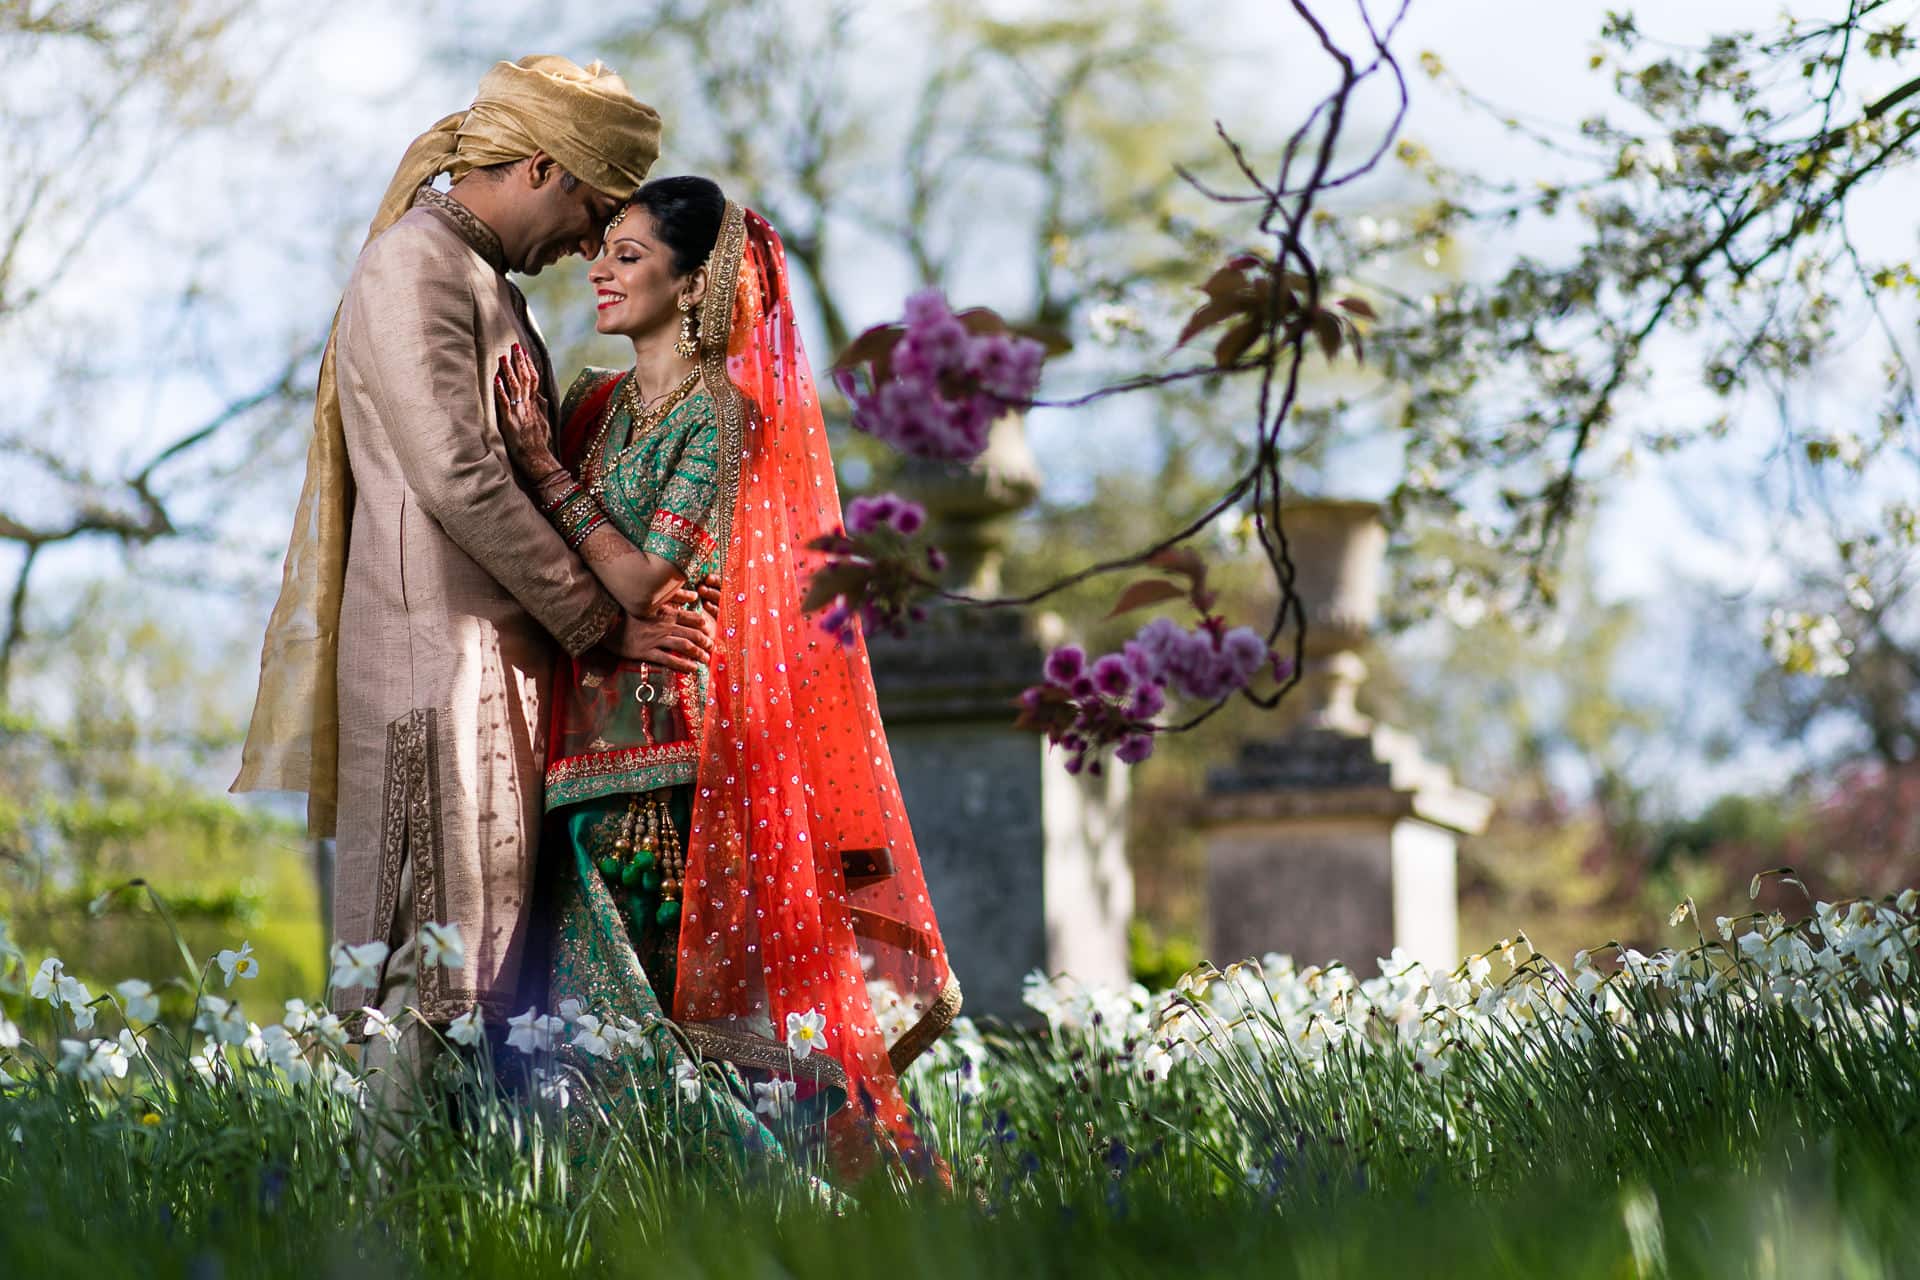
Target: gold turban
column 585, row 118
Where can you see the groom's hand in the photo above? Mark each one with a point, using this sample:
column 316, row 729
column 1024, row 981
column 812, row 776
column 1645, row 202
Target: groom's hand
column 677, row 639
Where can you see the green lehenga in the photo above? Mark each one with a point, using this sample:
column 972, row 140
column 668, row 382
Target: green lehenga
column 619, row 784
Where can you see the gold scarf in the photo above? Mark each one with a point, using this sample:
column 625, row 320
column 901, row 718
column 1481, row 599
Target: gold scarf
column 585, row 118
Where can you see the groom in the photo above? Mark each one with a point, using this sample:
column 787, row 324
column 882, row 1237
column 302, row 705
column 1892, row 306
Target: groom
column 418, row 554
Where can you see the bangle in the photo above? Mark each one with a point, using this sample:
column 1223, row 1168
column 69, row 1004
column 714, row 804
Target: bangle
column 573, row 512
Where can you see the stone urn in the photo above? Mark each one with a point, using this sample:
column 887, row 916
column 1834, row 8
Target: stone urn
column 1338, row 548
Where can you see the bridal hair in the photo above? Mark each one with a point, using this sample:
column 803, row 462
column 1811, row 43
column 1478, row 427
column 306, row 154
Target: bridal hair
column 686, row 212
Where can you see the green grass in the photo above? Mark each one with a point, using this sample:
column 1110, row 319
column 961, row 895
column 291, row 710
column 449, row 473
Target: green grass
column 1721, row 1110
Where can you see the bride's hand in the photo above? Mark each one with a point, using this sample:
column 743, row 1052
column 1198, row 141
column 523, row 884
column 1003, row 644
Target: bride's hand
column 522, row 414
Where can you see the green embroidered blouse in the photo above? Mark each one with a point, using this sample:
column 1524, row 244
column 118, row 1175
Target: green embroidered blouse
column 612, row 736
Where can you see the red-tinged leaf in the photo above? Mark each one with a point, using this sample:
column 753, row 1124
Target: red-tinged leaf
column 1359, row 347
column 1208, row 316
column 1050, row 708
column 1237, row 340
column 1147, row 591
column 1326, row 327
column 1358, row 306
column 1055, row 341
column 1245, row 262
column 1184, row 561
column 875, row 344
column 981, row 320
column 829, row 584
column 1227, row 282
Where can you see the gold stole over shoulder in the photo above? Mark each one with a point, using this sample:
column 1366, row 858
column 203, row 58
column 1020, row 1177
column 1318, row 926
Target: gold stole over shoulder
column 293, row 740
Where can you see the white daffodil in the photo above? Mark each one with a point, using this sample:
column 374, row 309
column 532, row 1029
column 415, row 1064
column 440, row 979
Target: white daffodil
column 554, row 1086
column 1908, row 899
column 341, row 1080
column 1156, row 1062
column 467, row 1029
column 255, row 1044
column 686, row 1075
column 108, row 1059
column 46, row 981
column 631, row 1034
column 284, row 1052
column 210, row 1064
column 300, row 1016
column 330, row 1030
column 73, row 1054
column 9, row 1034
column 442, row 946
column 772, row 1096
column 137, row 1001
column 379, row 1024
column 806, row 1032
column 238, row 964
column 222, row 1020
column 589, row 1037
column 532, row 1032
column 52, row 983
column 358, row 966
column 1479, row 968
column 571, row 1009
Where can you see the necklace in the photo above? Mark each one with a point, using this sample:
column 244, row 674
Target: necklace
column 644, row 419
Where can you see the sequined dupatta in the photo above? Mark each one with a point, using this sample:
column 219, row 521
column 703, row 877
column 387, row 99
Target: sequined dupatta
column 804, row 897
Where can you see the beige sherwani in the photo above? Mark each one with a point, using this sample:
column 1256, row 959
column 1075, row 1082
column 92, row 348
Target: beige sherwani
column 456, row 593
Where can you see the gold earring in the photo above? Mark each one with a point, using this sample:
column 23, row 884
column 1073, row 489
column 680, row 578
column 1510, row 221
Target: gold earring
column 686, row 348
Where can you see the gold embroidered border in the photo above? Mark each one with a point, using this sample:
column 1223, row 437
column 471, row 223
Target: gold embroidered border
column 716, row 331
column 592, row 627
column 480, row 237
column 723, row 1045
column 600, row 764
column 921, row 1035
column 405, row 766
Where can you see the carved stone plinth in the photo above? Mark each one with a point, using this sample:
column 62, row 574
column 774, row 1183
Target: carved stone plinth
column 1025, row 862
column 1329, row 845
column 1338, row 840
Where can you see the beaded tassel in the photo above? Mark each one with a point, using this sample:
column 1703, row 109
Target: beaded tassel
column 648, row 858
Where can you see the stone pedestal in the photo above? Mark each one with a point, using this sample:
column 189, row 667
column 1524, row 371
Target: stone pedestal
column 1337, row 840
column 1025, row 862
column 1334, row 845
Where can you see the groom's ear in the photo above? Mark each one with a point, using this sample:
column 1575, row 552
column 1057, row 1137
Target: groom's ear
column 542, row 169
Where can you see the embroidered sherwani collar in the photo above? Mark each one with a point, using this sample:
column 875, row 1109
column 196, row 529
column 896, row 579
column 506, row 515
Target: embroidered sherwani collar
column 467, row 223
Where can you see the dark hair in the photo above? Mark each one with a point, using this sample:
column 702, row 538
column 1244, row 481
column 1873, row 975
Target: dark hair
column 686, row 214
column 495, row 172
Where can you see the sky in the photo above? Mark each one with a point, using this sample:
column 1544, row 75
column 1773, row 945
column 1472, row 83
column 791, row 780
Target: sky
column 348, row 91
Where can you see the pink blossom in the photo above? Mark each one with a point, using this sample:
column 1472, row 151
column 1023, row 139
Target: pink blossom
column 947, row 386
column 1065, row 664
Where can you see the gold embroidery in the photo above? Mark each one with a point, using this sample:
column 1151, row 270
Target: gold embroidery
column 479, row 236
column 920, row 1036
column 592, row 627
column 716, row 324
column 722, row 1045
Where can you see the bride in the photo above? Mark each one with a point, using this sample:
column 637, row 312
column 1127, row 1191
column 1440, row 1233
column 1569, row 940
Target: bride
column 725, row 844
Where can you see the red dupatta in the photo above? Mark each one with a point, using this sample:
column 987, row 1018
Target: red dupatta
column 804, row 891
